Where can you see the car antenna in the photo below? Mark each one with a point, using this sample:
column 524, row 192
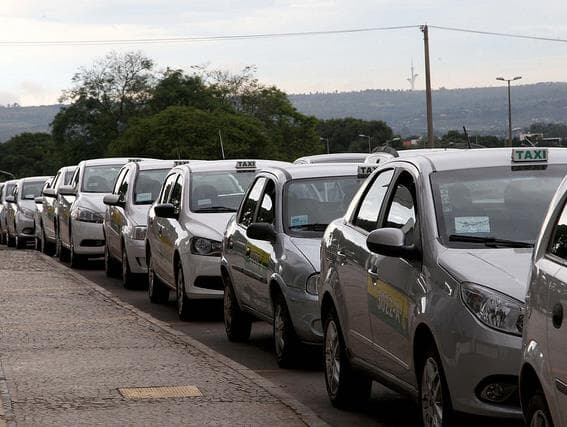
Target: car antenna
column 468, row 138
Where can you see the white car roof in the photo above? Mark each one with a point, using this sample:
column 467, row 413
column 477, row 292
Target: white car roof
column 110, row 161
column 236, row 164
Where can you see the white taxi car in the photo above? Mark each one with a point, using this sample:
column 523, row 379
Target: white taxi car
column 186, row 224
column 423, row 281
column 7, row 190
column 125, row 221
column 81, row 211
column 543, row 376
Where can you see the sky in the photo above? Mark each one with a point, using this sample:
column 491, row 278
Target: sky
column 36, row 75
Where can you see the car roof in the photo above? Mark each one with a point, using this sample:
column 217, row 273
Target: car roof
column 67, row 168
column 300, row 171
column 163, row 164
column 226, row 165
column 35, row 178
column 480, row 157
column 333, row 158
column 110, row 161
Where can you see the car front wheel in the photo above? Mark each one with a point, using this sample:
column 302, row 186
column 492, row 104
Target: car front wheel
column 538, row 413
column 285, row 340
column 434, row 400
column 157, row 291
column 237, row 324
column 183, row 303
column 346, row 387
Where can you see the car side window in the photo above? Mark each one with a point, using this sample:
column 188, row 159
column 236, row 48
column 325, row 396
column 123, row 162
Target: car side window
column 370, row 206
column 123, row 185
column 118, row 182
column 401, row 210
column 176, row 191
column 266, row 211
column 166, row 188
column 55, row 180
column 75, row 181
column 251, row 202
column 558, row 242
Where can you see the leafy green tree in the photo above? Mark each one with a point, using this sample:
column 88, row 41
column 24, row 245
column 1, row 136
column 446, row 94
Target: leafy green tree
column 343, row 134
column 29, row 154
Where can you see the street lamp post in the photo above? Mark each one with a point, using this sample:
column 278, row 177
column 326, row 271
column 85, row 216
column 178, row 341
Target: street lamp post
column 366, row 136
column 509, row 107
column 327, row 141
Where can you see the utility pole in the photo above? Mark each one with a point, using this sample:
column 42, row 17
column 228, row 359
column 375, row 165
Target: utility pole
column 430, row 142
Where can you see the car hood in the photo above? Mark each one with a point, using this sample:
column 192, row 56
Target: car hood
column 505, row 270
column 92, row 201
column 310, row 248
column 209, row 225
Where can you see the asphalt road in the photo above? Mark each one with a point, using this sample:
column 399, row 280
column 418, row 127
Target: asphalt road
column 305, row 383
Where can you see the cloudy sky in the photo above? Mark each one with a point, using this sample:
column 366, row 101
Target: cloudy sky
column 34, row 75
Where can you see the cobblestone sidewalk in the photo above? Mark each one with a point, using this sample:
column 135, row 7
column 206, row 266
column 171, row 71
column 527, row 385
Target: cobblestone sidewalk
column 68, row 346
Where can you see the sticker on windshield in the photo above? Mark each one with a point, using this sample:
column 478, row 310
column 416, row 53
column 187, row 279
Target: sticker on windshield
column 472, row 224
column 299, row 220
column 203, row 202
column 144, row 197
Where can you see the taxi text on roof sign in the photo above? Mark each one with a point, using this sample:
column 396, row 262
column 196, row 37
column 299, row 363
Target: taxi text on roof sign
column 529, row 155
column 246, row 164
column 364, row 171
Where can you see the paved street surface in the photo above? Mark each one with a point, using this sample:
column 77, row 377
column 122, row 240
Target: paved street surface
column 68, row 347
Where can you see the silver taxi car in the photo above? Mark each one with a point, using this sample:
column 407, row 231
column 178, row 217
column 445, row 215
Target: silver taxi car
column 81, row 211
column 7, row 190
column 543, row 375
column 125, row 221
column 185, row 227
column 20, row 214
column 270, row 252
column 423, row 281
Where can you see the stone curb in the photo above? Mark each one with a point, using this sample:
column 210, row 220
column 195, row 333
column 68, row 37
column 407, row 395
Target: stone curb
column 303, row 412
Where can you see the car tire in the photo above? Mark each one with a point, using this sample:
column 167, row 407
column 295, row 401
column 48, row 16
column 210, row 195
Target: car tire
column 111, row 268
column 435, row 407
column 346, row 387
column 128, row 278
column 538, row 412
column 237, row 324
column 11, row 242
column 62, row 252
column 19, row 242
column 286, row 344
column 157, row 291
column 183, row 303
column 75, row 260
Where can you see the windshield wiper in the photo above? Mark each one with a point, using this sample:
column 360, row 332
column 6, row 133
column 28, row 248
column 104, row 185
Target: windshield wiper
column 490, row 241
column 311, row 227
column 215, row 209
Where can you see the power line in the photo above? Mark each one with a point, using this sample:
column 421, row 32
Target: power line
column 194, row 39
column 492, row 33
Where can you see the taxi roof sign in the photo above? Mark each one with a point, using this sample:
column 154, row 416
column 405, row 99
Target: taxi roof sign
column 529, row 155
column 246, row 164
column 364, row 171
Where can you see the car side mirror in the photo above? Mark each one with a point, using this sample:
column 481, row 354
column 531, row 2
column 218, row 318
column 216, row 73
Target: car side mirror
column 166, row 210
column 38, row 200
column 10, row 199
column 261, row 231
column 67, row 190
column 112, row 200
column 50, row 192
column 391, row 242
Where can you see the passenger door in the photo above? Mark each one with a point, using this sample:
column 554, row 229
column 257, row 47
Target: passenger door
column 238, row 243
column 64, row 204
column 352, row 260
column 171, row 231
column 115, row 216
column 556, row 309
column 48, row 213
column 392, row 280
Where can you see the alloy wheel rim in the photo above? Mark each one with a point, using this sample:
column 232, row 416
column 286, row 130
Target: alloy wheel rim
column 539, row 419
column 227, row 307
column 180, row 284
column 151, row 280
column 279, row 326
column 124, row 266
column 431, row 395
column 332, row 357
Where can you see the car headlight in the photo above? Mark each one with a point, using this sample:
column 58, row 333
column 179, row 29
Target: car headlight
column 311, row 284
column 496, row 310
column 138, row 232
column 206, row 247
column 86, row 215
column 27, row 212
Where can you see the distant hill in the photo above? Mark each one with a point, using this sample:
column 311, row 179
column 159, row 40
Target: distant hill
column 481, row 110
column 15, row 120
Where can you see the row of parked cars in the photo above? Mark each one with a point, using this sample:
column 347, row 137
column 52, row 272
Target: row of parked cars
column 420, row 269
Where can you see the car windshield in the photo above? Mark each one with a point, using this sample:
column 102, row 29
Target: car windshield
column 148, row 185
column 219, row 191
column 31, row 189
column 100, row 179
column 496, row 206
column 312, row 203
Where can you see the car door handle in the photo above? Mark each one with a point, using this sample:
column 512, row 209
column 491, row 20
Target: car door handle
column 557, row 315
column 373, row 273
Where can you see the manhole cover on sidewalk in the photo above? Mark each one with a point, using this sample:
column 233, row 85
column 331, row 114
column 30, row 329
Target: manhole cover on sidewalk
column 160, row 392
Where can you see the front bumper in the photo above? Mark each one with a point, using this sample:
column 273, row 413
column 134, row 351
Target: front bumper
column 25, row 227
column 88, row 238
column 136, row 253
column 202, row 276
column 305, row 315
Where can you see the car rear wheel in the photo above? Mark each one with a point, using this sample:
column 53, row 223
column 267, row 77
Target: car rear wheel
column 157, row 291
column 346, row 387
column 538, row 412
column 183, row 303
column 237, row 324
column 286, row 343
column 434, row 400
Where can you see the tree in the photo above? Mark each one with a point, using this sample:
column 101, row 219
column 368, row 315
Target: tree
column 343, row 134
column 29, row 154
